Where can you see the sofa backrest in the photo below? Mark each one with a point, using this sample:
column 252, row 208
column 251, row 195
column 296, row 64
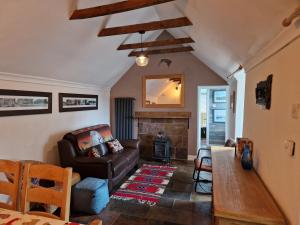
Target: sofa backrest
column 86, row 138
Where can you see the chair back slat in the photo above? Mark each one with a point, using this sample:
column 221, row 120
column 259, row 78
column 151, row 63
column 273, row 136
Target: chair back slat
column 46, row 196
column 6, row 188
column 12, row 169
column 49, row 172
column 49, row 196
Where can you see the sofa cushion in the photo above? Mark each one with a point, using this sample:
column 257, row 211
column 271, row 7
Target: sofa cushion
column 94, row 153
column 130, row 154
column 114, row 146
column 118, row 162
column 102, row 149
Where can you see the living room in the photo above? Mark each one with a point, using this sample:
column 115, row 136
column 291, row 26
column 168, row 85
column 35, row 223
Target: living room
column 81, row 73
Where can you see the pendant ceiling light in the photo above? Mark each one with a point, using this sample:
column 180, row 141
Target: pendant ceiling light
column 142, row 59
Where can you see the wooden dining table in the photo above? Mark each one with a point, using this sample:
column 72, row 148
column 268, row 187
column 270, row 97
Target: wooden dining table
column 10, row 217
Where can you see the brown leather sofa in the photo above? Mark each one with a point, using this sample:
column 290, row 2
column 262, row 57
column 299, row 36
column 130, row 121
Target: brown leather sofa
column 113, row 167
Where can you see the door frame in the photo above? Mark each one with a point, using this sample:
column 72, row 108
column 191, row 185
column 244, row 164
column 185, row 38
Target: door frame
column 226, row 87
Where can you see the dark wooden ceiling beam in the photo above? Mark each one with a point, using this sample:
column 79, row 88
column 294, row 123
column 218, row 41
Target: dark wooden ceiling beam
column 113, row 8
column 155, row 25
column 162, row 51
column 161, row 43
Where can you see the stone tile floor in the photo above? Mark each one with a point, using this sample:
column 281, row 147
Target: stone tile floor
column 179, row 205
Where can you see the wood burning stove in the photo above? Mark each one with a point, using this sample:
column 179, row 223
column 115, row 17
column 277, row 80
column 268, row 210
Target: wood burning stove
column 161, row 148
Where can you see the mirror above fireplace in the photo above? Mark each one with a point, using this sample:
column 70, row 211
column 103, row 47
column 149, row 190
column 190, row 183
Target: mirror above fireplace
column 163, row 91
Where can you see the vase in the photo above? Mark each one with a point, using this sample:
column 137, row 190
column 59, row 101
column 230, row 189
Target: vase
column 246, row 159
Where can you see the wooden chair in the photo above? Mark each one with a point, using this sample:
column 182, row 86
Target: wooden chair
column 203, row 164
column 49, row 196
column 10, row 188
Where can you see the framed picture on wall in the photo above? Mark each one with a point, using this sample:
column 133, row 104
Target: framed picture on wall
column 219, row 96
column 77, row 102
column 219, row 115
column 18, row 102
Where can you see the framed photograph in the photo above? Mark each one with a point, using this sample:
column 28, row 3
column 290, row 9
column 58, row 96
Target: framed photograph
column 77, row 102
column 17, row 102
column 219, row 96
column 219, row 115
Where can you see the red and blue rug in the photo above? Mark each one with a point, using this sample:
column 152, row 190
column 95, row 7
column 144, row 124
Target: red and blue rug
column 147, row 184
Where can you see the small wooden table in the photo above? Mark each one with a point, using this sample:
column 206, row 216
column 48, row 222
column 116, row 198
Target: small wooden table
column 239, row 196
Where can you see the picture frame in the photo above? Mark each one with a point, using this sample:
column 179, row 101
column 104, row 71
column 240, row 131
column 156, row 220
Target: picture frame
column 219, row 115
column 21, row 102
column 219, row 96
column 69, row 102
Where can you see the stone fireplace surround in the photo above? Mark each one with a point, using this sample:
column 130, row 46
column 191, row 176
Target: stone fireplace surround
column 174, row 125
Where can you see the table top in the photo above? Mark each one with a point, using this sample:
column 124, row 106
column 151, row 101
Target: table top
column 240, row 194
column 9, row 217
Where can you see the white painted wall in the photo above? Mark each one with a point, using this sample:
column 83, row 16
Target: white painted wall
column 35, row 136
column 270, row 128
column 240, row 102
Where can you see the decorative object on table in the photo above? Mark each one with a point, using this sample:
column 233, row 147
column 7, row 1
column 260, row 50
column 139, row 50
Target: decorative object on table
column 93, row 192
column 77, row 102
column 146, row 186
column 263, row 92
column 246, row 159
column 219, row 96
column 17, row 102
column 219, row 115
column 241, row 142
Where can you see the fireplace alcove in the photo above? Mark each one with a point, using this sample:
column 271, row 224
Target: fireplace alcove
column 174, row 125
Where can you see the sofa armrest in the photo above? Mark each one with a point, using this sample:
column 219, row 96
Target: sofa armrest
column 132, row 143
column 93, row 167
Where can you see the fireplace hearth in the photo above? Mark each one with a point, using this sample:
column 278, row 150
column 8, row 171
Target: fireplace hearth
column 174, row 126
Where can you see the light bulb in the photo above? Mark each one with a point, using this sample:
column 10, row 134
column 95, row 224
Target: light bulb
column 142, row 60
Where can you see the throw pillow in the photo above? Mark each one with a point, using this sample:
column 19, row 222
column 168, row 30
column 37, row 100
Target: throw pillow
column 114, row 146
column 106, row 134
column 93, row 153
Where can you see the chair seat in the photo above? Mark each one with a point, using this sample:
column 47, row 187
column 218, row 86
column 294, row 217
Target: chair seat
column 203, row 167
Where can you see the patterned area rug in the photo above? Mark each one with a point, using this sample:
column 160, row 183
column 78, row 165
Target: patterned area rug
column 147, row 184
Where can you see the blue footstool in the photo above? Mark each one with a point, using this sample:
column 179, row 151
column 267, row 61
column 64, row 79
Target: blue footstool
column 90, row 195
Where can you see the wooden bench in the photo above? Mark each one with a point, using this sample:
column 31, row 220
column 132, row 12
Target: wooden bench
column 239, row 196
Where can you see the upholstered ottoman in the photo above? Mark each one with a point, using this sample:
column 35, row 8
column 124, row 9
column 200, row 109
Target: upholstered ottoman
column 90, row 195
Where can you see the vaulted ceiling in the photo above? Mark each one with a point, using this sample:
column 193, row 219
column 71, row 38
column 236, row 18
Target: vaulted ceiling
column 38, row 39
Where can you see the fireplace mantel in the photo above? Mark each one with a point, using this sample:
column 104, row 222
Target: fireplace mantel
column 163, row 115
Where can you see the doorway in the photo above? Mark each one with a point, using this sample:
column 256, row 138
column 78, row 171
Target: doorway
column 213, row 105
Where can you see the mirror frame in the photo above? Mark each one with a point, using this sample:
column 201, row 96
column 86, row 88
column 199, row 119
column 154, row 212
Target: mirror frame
column 182, row 97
